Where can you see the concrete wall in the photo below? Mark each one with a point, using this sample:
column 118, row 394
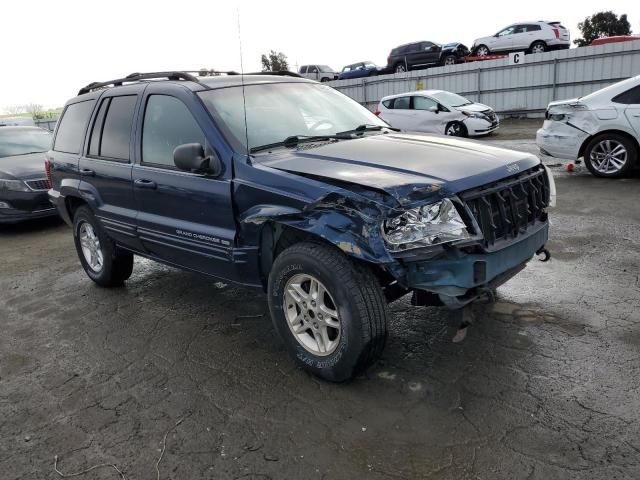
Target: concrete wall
column 523, row 90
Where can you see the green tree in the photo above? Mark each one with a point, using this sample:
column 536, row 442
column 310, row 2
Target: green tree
column 274, row 62
column 602, row 24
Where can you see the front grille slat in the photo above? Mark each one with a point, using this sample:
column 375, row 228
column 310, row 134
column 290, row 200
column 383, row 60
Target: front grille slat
column 506, row 209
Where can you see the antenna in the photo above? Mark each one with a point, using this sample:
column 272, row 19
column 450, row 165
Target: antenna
column 244, row 98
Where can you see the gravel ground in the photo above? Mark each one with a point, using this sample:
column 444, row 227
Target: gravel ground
column 178, row 369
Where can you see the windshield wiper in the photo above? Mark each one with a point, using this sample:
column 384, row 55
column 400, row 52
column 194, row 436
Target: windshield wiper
column 367, row 127
column 294, row 140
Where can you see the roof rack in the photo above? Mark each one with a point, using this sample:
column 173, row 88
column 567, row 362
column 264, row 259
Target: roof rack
column 181, row 75
column 136, row 77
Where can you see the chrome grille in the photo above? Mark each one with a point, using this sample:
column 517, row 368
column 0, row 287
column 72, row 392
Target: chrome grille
column 40, row 184
column 504, row 210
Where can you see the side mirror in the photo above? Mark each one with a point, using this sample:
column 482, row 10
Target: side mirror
column 434, row 109
column 191, row 158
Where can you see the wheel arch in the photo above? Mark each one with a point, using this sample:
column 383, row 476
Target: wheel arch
column 622, row 133
column 72, row 203
column 538, row 41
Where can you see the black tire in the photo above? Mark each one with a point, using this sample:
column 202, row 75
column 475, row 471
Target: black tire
column 594, row 148
column 399, row 67
column 324, row 79
column 359, row 301
column 117, row 264
column 480, row 48
column 538, row 44
column 456, row 129
column 448, row 60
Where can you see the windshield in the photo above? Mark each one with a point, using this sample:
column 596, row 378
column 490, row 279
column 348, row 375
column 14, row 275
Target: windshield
column 277, row 111
column 325, row 68
column 449, row 99
column 23, row 141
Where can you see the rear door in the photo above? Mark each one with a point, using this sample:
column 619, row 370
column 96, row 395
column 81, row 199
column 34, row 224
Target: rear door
column 399, row 114
column 184, row 218
column 631, row 98
column 106, row 168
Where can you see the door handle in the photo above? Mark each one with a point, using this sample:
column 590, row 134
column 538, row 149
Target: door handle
column 87, row 172
column 143, row 183
column 637, row 115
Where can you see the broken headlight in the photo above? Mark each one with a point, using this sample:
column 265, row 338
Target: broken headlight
column 425, row 226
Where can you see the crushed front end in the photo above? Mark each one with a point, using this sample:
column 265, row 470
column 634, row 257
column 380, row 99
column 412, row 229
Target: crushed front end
column 456, row 250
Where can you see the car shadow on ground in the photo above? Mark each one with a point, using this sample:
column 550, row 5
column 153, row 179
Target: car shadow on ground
column 30, row 226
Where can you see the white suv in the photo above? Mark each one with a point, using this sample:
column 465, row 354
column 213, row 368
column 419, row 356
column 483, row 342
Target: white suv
column 320, row 73
column 603, row 127
column 535, row 37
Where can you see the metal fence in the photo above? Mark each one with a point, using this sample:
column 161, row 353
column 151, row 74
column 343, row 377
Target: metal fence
column 517, row 90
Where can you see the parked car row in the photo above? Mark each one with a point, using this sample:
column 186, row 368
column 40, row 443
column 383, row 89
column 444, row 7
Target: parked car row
column 533, row 37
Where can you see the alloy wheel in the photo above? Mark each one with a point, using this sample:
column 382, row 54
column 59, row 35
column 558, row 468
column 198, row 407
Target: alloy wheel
column 537, row 48
column 400, row 69
column 608, row 157
column 91, row 248
column 450, row 60
column 312, row 314
column 482, row 51
column 454, row 130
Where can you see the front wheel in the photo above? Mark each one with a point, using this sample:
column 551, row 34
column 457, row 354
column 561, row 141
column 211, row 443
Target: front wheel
column 456, row 129
column 102, row 260
column 482, row 51
column 329, row 311
column 449, row 60
column 610, row 155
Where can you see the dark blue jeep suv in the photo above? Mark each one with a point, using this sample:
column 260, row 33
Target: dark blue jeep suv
column 281, row 183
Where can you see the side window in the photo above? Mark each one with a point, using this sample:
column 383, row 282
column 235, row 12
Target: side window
column 506, row 31
column 519, row 29
column 70, row 135
column 533, row 28
column 423, row 103
column 414, row 47
column 111, row 134
column 426, row 46
column 402, row 103
column 631, row 96
column 303, row 69
column 167, row 124
column 388, row 103
column 313, row 69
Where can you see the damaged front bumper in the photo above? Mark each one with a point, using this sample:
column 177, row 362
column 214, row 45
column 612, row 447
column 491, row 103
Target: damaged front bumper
column 458, row 278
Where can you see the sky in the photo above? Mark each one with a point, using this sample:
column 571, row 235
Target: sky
column 52, row 49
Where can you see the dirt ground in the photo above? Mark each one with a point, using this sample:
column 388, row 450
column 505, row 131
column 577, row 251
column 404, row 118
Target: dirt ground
column 178, row 372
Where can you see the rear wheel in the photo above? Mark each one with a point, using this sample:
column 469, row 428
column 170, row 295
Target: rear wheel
column 610, row 155
column 329, row 311
column 102, row 260
column 482, row 51
column 324, row 79
column 400, row 68
column 456, row 129
column 538, row 47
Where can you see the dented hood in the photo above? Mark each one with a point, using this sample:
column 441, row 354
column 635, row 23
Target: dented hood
column 402, row 163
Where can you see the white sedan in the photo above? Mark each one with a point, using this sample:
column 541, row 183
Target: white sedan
column 603, row 127
column 437, row 111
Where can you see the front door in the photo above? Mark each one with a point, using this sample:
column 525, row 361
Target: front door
column 184, row 218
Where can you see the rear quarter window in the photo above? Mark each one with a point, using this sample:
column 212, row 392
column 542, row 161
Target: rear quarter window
column 631, row 96
column 70, row 134
column 388, row 103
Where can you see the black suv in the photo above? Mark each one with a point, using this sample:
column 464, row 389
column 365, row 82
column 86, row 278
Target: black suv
column 425, row 54
column 285, row 184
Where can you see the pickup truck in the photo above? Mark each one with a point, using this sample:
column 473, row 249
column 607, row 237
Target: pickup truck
column 287, row 185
